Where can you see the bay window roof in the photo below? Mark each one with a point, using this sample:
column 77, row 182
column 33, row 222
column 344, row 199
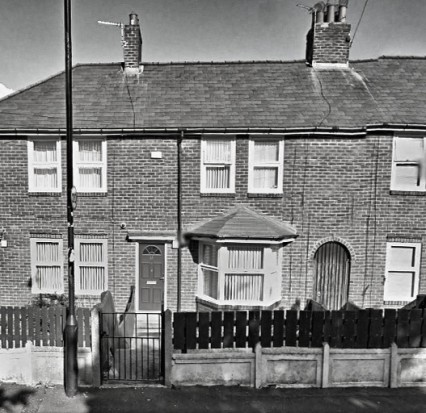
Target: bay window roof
column 245, row 224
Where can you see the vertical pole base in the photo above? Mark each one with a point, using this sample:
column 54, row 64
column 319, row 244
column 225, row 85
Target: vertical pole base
column 70, row 360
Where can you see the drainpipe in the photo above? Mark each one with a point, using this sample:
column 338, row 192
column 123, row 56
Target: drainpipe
column 179, row 218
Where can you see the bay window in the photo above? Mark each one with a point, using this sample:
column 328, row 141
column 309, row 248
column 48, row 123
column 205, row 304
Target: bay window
column 244, row 274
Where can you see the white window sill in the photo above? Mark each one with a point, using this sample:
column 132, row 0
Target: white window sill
column 265, row 194
column 223, row 303
column 414, row 192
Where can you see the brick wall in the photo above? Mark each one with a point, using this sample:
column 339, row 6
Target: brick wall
column 328, row 43
column 334, row 188
column 133, row 46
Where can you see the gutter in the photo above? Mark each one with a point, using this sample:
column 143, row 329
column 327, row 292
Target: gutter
column 176, row 132
column 355, row 132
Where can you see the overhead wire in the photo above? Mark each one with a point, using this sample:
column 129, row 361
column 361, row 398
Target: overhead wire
column 359, row 22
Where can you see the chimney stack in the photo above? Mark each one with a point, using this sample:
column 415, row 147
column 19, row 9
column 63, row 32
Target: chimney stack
column 328, row 41
column 132, row 46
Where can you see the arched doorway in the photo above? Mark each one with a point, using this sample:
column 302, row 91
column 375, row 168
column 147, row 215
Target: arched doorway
column 332, row 269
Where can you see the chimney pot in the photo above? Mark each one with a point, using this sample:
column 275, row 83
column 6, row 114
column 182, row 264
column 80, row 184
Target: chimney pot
column 134, row 21
column 327, row 44
column 132, row 46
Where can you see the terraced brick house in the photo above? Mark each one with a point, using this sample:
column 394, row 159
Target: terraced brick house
column 222, row 185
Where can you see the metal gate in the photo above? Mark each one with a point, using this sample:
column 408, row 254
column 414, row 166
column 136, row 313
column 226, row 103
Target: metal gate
column 131, row 347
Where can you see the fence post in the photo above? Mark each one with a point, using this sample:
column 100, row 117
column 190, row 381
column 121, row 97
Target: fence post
column 168, row 347
column 96, row 364
column 258, row 367
column 394, row 366
column 325, row 365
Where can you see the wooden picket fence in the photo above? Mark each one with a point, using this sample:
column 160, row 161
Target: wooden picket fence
column 341, row 329
column 43, row 326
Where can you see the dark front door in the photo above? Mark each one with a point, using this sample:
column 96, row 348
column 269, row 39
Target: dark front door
column 151, row 277
column 331, row 288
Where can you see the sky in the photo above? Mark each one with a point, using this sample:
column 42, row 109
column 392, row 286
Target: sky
column 32, row 33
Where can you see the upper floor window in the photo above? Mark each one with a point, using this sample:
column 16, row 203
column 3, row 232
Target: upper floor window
column 218, row 165
column 44, row 165
column 90, row 165
column 91, row 266
column 408, row 166
column 47, row 274
column 402, row 271
column 266, row 158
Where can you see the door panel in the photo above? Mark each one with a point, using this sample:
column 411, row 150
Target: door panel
column 151, row 277
column 332, row 270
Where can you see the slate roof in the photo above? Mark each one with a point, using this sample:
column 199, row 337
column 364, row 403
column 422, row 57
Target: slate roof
column 244, row 223
column 226, row 95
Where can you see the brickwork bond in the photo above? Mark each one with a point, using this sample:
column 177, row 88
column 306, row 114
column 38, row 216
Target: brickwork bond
column 333, row 188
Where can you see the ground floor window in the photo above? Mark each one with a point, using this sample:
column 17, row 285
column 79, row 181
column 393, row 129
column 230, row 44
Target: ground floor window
column 246, row 274
column 47, row 270
column 402, row 271
column 91, row 265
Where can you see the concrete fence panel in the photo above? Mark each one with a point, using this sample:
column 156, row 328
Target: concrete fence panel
column 214, row 368
column 363, row 367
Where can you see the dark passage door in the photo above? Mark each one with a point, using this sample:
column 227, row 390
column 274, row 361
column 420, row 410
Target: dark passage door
column 151, row 277
column 332, row 267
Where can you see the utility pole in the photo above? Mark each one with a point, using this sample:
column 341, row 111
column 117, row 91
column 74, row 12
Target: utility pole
column 71, row 327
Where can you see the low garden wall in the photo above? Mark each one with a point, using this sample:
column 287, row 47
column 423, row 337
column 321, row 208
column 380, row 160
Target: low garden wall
column 300, row 367
column 31, row 365
column 298, row 349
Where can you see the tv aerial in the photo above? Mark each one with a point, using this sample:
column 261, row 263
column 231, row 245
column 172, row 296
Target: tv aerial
column 120, row 25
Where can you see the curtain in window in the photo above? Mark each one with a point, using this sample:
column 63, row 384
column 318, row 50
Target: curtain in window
column 209, row 255
column 249, row 258
column 47, row 251
column 90, row 177
column 45, row 151
column 48, row 275
column 266, row 152
column 90, row 151
column 45, row 177
column 218, row 151
column 243, row 287
column 210, row 282
column 265, row 178
column 217, row 177
column 92, row 275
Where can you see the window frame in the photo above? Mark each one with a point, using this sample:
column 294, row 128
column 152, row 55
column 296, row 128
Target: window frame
column 271, row 271
column 32, row 164
column 279, row 164
column 204, row 165
column 422, row 181
column 77, row 263
column 415, row 269
column 34, row 263
column 97, row 164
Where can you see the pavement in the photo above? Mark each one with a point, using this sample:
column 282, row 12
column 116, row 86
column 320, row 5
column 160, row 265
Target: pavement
column 52, row 399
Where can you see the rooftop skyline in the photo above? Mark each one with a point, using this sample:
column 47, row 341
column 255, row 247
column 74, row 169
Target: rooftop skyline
column 32, row 38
